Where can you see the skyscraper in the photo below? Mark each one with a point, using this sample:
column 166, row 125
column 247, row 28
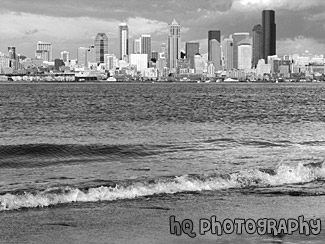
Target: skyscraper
column 137, row 46
column 44, row 51
column 101, row 47
column 237, row 37
column 245, row 54
column 82, row 56
column 269, row 33
column 191, row 49
column 215, row 53
column 257, row 44
column 227, row 50
column 212, row 35
column 12, row 52
column 123, row 40
column 174, row 45
column 146, row 45
column 65, row 56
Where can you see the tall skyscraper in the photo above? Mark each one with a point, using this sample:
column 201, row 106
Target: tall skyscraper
column 174, row 45
column 257, row 44
column 12, row 52
column 269, row 33
column 123, row 40
column 44, row 51
column 237, row 37
column 137, row 46
column 65, row 56
column 212, row 35
column 191, row 49
column 146, row 45
column 82, row 56
column 245, row 54
column 101, row 47
column 227, row 50
column 215, row 53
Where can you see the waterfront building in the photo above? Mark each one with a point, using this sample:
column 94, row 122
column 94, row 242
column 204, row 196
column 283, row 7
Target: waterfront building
column 173, row 45
column 123, row 40
column 101, row 47
column 227, row 50
column 269, row 33
column 44, row 51
column 237, row 37
column 199, row 64
column 257, row 44
column 262, row 68
column 191, row 49
column 110, row 62
column 146, row 45
column 4, row 62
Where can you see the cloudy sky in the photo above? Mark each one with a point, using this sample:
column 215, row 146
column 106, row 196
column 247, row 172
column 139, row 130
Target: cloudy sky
column 74, row 23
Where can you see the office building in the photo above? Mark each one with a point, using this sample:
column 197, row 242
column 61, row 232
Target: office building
column 140, row 61
column 257, row 45
column 237, row 37
column 65, row 56
column 137, row 46
column 123, row 40
column 269, row 33
column 213, row 35
column 227, row 50
column 91, row 55
column 110, row 61
column 191, row 49
column 154, row 55
column 174, row 45
column 82, row 56
column 245, row 55
column 12, row 52
column 44, row 51
column 215, row 53
column 146, row 45
column 101, row 47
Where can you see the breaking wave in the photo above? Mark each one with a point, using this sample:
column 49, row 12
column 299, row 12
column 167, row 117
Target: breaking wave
column 283, row 174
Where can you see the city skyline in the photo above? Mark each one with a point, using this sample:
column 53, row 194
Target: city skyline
column 299, row 23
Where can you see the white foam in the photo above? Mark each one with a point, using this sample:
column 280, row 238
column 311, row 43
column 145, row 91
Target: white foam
column 284, row 174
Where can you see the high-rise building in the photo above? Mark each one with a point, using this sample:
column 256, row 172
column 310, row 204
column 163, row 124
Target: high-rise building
column 257, row 44
column 110, row 61
column 245, row 54
column 146, row 45
column 65, row 56
column 101, row 47
column 213, row 35
column 227, row 50
column 174, row 45
column 123, row 40
column 91, row 55
column 140, row 61
column 44, row 51
column 137, row 46
column 215, row 53
column 82, row 56
column 154, row 55
column 191, row 49
column 12, row 52
column 269, row 33
column 237, row 37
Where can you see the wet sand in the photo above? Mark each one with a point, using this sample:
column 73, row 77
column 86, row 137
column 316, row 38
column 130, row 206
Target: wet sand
column 146, row 220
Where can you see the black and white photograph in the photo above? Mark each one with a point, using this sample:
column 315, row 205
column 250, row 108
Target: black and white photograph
column 162, row 122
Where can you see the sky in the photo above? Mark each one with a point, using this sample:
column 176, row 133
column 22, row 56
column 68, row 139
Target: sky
column 75, row 23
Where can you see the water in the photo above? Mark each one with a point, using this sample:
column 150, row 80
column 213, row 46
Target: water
column 94, row 149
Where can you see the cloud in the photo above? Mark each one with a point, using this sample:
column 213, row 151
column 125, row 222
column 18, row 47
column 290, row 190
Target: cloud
column 31, row 32
column 299, row 45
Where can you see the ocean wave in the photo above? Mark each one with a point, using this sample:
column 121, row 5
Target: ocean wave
column 254, row 178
